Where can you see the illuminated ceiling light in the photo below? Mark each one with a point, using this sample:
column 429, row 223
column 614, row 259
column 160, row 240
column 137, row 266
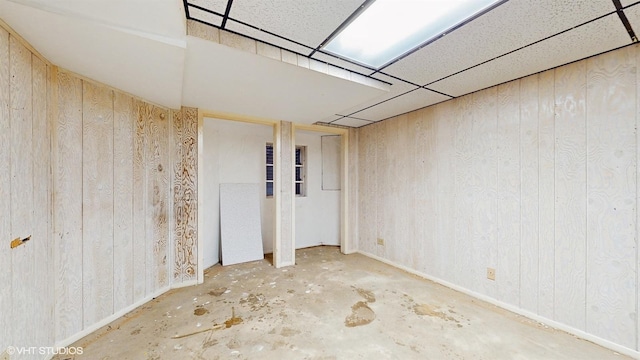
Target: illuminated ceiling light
column 388, row 29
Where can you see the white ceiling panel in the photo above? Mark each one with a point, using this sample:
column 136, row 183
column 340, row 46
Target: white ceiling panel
column 307, row 22
column 258, row 86
column 219, row 6
column 161, row 17
column 341, row 63
column 408, row 102
column 633, row 14
column 352, row 122
column 207, row 17
column 510, row 26
column 260, row 35
column 111, row 55
column 596, row 37
column 627, row 2
column 397, row 88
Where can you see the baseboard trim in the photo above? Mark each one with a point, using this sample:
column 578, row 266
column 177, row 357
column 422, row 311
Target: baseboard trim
column 554, row 324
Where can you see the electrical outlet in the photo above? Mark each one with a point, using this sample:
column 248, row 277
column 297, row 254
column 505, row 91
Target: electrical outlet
column 4, row 356
column 380, row 241
column 491, row 274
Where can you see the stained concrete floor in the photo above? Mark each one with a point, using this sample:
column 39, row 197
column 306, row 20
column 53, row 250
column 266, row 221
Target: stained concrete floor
column 328, row 306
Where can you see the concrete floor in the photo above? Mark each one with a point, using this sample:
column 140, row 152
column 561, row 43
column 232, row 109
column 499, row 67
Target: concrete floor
column 329, row 306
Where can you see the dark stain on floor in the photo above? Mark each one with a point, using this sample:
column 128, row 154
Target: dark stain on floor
column 234, row 320
column 200, row 311
column 367, row 295
column 361, row 314
column 218, row 291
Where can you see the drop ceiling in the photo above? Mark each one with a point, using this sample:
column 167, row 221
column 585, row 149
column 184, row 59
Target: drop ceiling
column 268, row 60
column 514, row 39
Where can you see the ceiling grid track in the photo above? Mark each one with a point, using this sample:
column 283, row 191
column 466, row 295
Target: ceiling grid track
column 226, row 14
column 624, row 20
column 400, row 78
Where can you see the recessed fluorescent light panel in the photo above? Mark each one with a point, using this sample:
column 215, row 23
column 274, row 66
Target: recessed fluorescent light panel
column 388, row 29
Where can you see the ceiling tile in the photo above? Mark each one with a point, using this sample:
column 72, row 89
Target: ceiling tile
column 633, row 14
column 510, row 26
column 205, row 16
column 397, row 88
column 596, row 37
column 307, row 22
column 627, row 2
column 219, row 6
column 408, row 102
column 263, row 36
column 341, row 63
column 330, row 118
column 352, row 122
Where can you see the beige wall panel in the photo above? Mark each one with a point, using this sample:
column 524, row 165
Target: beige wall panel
column 484, row 184
column 190, row 192
column 570, row 179
column 427, row 256
column 157, row 192
column 611, row 192
column 464, row 190
column 508, row 186
column 185, row 153
column 536, row 178
column 67, row 171
column 546, row 197
column 123, row 129
column 97, row 203
column 353, row 176
column 386, row 175
column 6, row 300
column 142, row 111
column 22, row 184
column 44, row 280
column 178, row 206
column 529, row 170
column 445, row 152
column 366, row 189
column 407, row 209
column 637, row 48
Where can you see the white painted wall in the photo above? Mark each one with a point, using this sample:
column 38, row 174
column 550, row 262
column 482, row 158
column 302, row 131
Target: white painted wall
column 234, row 152
column 317, row 214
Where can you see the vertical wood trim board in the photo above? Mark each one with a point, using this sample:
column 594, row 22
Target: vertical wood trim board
column 43, row 277
column 123, row 229
column 287, row 195
column 536, row 178
column 571, row 219
column 97, row 203
column 21, row 123
column 185, row 197
column 611, row 191
column 139, row 203
column 6, row 299
column 68, row 206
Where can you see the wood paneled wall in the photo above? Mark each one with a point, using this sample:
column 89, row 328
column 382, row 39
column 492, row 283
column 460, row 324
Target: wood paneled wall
column 536, row 178
column 106, row 186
